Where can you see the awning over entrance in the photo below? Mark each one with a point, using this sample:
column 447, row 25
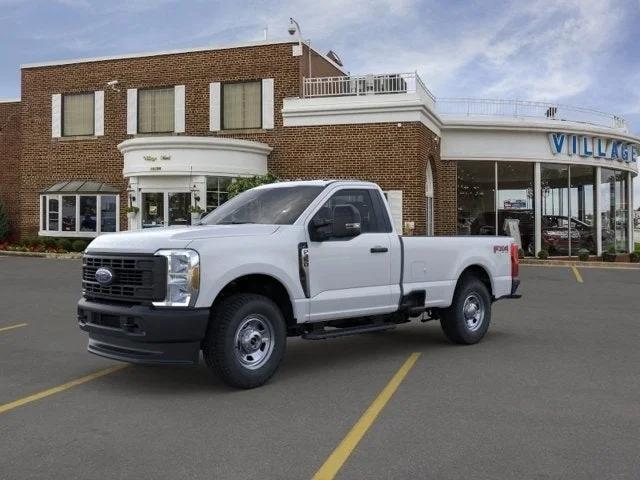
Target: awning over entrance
column 81, row 186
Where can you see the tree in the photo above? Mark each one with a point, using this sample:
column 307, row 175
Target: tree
column 4, row 222
column 239, row 185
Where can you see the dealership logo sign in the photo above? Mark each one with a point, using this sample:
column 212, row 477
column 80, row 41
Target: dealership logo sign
column 596, row 147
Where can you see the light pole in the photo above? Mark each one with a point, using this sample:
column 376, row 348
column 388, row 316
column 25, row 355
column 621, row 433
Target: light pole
column 294, row 27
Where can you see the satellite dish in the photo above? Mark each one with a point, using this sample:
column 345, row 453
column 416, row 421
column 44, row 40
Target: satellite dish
column 334, row 57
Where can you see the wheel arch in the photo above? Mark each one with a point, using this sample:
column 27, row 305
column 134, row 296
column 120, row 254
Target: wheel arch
column 261, row 284
column 481, row 273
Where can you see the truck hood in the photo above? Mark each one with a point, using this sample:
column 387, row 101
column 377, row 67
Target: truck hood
column 153, row 239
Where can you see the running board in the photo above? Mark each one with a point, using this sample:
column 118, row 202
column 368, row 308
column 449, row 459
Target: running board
column 343, row 332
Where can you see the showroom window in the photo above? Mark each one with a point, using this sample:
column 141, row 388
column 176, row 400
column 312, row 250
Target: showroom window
column 78, row 111
column 614, row 192
column 242, row 105
column 217, row 192
column 156, row 110
column 516, row 209
column 79, row 209
column 582, row 207
column 476, row 198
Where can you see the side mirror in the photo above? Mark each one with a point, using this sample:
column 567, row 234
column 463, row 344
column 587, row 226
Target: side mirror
column 346, row 221
column 320, row 229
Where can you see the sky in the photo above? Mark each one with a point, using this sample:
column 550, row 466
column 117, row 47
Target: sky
column 577, row 52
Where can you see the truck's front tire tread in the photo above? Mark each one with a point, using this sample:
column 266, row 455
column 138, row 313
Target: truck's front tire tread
column 452, row 319
column 219, row 343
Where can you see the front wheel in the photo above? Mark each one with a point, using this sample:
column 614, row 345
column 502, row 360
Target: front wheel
column 467, row 319
column 246, row 340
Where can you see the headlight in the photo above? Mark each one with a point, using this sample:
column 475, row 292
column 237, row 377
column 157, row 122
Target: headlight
column 183, row 278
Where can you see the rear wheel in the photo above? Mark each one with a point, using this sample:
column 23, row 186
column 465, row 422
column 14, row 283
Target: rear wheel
column 246, row 340
column 467, row 319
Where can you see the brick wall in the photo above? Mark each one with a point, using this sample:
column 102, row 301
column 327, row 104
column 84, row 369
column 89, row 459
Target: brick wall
column 391, row 155
column 45, row 161
column 9, row 160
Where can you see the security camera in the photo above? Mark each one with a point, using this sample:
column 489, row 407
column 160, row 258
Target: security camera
column 112, row 83
column 292, row 29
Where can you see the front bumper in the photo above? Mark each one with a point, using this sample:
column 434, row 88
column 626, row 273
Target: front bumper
column 143, row 334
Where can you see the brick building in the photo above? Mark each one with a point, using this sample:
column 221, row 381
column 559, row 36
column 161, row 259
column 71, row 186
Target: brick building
column 165, row 131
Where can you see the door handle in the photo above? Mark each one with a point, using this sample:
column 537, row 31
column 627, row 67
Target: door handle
column 379, row 249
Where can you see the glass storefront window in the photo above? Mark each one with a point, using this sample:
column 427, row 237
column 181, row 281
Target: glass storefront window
column 582, row 204
column 516, row 212
column 217, row 192
column 108, row 213
column 68, row 214
column 88, row 214
column 615, row 210
column 555, row 208
column 476, row 198
column 77, row 215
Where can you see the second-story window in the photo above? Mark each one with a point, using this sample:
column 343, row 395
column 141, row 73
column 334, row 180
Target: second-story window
column 156, row 110
column 241, row 105
column 78, row 114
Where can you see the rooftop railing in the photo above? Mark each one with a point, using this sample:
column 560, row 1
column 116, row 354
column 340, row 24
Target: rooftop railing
column 364, row 85
column 473, row 107
column 394, row 83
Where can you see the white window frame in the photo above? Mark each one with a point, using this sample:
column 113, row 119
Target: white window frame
column 44, row 213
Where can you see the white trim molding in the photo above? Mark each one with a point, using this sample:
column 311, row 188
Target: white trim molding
column 179, row 108
column 189, row 155
column 132, row 111
column 215, row 107
column 56, row 115
column 395, row 108
column 268, row 119
column 98, row 117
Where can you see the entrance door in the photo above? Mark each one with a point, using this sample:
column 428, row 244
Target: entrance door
column 153, row 210
column 179, row 204
column 351, row 276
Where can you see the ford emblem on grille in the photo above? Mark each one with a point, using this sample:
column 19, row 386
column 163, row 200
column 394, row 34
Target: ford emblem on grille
column 104, row 276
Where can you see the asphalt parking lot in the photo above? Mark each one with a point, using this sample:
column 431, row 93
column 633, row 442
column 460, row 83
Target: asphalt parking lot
column 553, row 391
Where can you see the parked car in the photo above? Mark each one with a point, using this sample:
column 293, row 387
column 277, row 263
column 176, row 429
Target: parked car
column 318, row 259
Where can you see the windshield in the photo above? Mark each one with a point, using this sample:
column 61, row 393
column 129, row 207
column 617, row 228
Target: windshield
column 271, row 206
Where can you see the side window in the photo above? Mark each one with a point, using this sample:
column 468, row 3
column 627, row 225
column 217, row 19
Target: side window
column 361, row 199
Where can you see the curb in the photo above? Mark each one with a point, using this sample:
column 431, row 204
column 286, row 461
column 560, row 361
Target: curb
column 55, row 256
column 577, row 263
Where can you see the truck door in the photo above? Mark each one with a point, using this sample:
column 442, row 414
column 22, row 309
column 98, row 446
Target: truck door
column 350, row 276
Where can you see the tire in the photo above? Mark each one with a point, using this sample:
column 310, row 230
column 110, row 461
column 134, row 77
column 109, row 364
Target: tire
column 467, row 320
column 246, row 340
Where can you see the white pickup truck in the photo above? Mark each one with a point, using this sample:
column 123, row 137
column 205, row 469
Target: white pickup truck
column 316, row 259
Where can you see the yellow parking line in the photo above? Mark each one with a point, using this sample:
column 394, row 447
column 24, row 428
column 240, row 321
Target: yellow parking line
column 60, row 388
column 342, row 452
column 11, row 327
column 576, row 273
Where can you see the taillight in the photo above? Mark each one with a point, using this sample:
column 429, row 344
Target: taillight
column 515, row 261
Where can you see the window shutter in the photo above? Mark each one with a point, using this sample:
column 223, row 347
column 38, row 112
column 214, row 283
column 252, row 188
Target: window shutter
column 179, row 113
column 132, row 111
column 214, row 106
column 267, row 103
column 98, row 117
column 394, row 197
column 56, row 115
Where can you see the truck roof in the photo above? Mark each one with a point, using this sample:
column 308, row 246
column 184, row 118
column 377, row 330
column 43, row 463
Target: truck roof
column 317, row 183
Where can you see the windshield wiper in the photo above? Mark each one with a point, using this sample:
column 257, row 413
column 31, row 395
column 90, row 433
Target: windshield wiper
column 234, row 223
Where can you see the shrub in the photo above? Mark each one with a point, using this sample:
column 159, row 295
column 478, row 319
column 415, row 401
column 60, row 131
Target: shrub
column 611, row 249
column 79, row 245
column 246, row 183
column 65, row 244
column 543, row 254
column 4, row 223
column 520, row 253
column 634, row 257
column 49, row 242
column 583, row 254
